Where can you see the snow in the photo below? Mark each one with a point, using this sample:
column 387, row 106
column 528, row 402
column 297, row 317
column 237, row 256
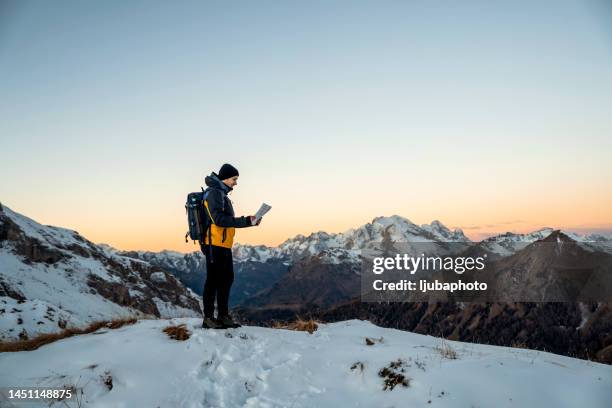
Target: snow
column 593, row 242
column 253, row 253
column 262, row 367
column 62, row 286
column 55, row 236
column 399, row 230
column 168, row 310
column 339, row 256
column 442, row 233
column 508, row 243
column 58, row 286
column 33, row 316
column 159, row 277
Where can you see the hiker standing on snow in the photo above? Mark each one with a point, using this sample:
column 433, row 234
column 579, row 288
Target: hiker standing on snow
column 218, row 246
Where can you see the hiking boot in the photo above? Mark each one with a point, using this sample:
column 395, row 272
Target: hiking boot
column 210, row 323
column 227, row 322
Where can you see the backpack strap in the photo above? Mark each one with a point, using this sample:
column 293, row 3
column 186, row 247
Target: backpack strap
column 209, row 229
column 205, row 204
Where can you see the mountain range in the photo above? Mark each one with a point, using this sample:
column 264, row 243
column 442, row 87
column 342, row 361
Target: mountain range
column 51, row 277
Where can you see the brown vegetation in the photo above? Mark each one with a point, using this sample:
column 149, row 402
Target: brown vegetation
column 299, row 324
column 446, row 351
column 46, row 338
column 393, row 375
column 371, row 342
column 179, row 332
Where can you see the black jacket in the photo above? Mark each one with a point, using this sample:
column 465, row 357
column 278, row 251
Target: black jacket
column 220, row 206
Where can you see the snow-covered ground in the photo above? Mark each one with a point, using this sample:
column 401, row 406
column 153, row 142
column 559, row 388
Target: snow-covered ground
column 262, row 367
column 39, row 295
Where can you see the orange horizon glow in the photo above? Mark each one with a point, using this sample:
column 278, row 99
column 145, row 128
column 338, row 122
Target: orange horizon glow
column 272, row 239
column 272, row 232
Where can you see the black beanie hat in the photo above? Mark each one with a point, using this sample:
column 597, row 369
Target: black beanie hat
column 227, row 171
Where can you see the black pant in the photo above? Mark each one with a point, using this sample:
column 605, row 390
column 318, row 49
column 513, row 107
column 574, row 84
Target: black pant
column 219, row 279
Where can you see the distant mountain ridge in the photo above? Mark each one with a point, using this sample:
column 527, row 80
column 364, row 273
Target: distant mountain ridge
column 259, row 267
column 47, row 270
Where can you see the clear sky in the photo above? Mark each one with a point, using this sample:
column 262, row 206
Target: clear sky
column 491, row 116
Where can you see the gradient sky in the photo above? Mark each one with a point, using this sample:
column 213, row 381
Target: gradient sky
column 489, row 116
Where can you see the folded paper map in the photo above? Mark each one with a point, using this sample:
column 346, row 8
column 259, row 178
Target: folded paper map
column 261, row 212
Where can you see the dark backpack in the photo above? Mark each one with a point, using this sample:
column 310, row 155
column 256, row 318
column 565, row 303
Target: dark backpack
column 197, row 219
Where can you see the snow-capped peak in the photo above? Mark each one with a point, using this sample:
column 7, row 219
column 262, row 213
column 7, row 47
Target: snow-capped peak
column 441, row 232
column 394, row 228
column 393, row 220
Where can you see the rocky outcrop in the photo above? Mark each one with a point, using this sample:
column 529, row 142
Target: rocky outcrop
column 8, row 291
column 120, row 294
column 49, row 268
column 313, row 281
column 31, row 249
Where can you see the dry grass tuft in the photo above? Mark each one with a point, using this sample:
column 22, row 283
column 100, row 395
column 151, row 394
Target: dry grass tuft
column 446, row 351
column 179, row 332
column 393, row 375
column 115, row 324
column 519, row 344
column 46, row 338
column 299, row 324
column 371, row 342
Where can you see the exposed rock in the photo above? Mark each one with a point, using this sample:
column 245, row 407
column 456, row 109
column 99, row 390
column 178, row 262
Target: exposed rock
column 49, row 267
column 118, row 293
column 6, row 290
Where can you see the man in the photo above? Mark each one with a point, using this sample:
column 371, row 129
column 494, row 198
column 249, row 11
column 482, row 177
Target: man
column 218, row 246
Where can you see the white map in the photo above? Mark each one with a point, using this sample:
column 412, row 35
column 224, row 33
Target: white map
column 262, row 211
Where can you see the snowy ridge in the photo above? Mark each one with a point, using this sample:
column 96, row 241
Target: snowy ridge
column 393, row 228
column 166, row 259
column 333, row 367
column 353, row 241
column 253, row 253
column 52, row 278
column 397, row 229
column 509, row 243
column 54, row 236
